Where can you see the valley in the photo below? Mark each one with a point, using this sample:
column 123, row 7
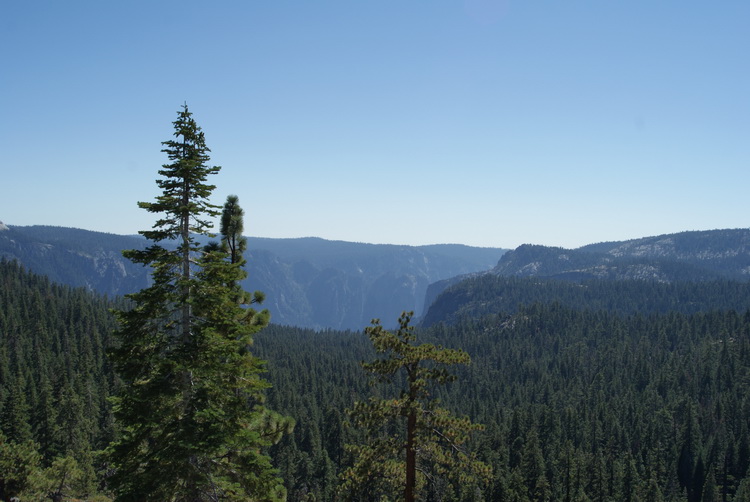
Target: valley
column 593, row 381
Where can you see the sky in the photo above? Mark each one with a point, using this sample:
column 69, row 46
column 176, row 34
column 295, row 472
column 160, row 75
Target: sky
column 490, row 123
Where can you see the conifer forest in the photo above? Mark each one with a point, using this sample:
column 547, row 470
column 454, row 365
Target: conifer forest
column 535, row 391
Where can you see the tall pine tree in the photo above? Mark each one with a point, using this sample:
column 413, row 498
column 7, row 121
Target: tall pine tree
column 192, row 422
column 413, row 449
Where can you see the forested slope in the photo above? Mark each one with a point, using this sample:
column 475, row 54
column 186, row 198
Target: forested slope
column 578, row 403
column 487, row 294
column 610, row 406
column 54, row 375
column 705, row 256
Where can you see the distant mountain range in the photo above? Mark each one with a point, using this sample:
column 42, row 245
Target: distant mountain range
column 315, row 283
column 308, row 282
column 716, row 256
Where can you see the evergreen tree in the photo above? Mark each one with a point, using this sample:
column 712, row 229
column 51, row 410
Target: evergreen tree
column 710, row 490
column 235, row 244
column 63, row 480
column 192, row 422
column 410, row 441
column 533, row 469
column 232, row 227
column 18, row 462
column 690, row 466
column 743, row 491
column 14, row 418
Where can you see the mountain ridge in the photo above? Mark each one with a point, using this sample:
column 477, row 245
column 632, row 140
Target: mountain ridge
column 308, row 282
column 317, row 283
column 713, row 253
column 698, row 257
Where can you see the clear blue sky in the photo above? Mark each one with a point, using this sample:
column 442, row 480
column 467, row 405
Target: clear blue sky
column 489, row 123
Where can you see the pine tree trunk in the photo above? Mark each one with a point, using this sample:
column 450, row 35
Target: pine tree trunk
column 411, row 430
column 185, row 223
column 185, row 292
column 411, row 457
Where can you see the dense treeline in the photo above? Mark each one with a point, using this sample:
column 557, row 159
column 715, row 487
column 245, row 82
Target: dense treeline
column 53, row 366
column 316, row 376
column 54, row 376
column 592, row 405
column 578, row 404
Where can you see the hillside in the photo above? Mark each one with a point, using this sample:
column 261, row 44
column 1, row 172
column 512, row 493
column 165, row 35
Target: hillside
column 686, row 272
column 488, row 294
column 308, row 282
column 74, row 257
column 55, row 379
column 698, row 256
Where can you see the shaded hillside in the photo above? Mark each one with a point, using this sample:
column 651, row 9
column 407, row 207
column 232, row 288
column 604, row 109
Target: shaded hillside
column 435, row 289
column 489, row 294
column 54, row 376
column 308, row 282
column 317, row 283
column 78, row 258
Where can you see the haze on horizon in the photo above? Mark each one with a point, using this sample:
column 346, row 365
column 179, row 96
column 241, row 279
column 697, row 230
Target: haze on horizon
column 480, row 122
